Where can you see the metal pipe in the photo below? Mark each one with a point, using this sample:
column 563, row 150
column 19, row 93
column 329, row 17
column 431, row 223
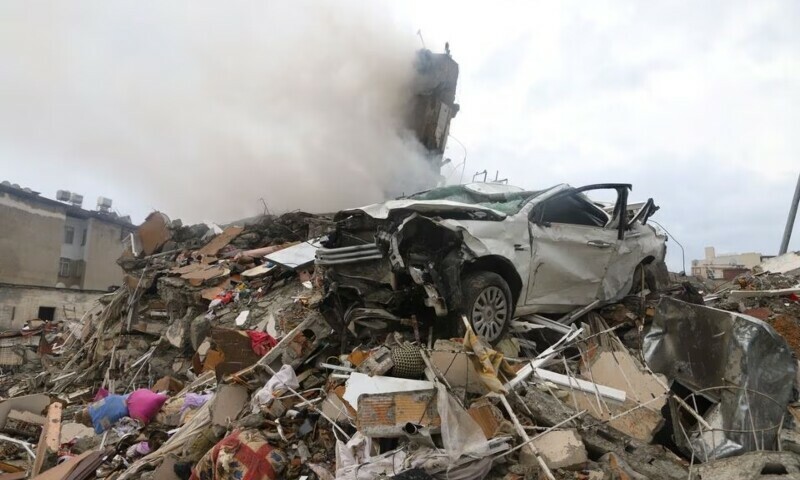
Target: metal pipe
column 27, row 446
column 321, row 261
column 344, row 255
column 787, row 232
column 353, row 248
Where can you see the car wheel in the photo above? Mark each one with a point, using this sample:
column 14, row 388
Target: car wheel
column 487, row 304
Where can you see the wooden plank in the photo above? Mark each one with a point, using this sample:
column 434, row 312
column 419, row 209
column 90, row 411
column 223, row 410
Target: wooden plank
column 49, row 440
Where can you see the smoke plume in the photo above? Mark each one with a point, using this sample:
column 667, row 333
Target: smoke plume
column 201, row 108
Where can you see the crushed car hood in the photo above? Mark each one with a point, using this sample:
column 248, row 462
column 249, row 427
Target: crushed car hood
column 382, row 210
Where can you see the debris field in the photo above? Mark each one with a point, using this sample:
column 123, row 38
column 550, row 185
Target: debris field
column 222, row 355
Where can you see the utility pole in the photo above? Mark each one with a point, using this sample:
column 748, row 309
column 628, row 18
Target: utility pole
column 787, row 233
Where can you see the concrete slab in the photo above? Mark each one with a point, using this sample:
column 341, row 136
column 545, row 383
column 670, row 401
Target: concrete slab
column 561, row 449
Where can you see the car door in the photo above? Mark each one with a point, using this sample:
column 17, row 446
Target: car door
column 573, row 243
column 639, row 242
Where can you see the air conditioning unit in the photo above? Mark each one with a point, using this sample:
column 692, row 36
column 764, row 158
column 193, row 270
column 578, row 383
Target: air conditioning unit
column 76, row 199
column 103, row 204
column 63, row 195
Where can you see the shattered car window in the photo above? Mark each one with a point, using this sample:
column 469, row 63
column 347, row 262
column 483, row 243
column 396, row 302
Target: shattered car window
column 507, row 202
column 575, row 209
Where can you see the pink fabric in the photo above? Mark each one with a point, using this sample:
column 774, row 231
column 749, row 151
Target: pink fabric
column 143, row 404
column 101, row 394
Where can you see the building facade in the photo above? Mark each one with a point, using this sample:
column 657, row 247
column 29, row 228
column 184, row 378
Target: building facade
column 56, row 258
column 726, row 266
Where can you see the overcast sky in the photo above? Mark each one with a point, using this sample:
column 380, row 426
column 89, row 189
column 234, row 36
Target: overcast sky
column 697, row 104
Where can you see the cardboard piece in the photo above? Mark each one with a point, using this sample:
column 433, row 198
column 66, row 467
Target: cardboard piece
column 258, row 271
column 168, row 384
column 211, row 292
column 207, row 272
column 154, row 233
column 220, row 241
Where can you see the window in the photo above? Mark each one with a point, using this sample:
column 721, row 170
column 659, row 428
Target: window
column 64, row 267
column 83, row 240
column 69, row 235
column 47, row 313
column 574, row 209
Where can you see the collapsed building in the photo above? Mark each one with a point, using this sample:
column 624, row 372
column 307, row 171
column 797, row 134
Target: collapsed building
column 219, row 356
column 465, row 332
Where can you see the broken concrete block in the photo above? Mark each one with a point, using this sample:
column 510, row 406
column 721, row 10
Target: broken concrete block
column 335, row 408
column 150, row 327
column 618, row 369
column 561, row 449
column 449, row 359
column 72, row 430
column 752, row 466
column 639, row 423
column 653, row 461
column 228, row 402
column 199, row 329
column 378, row 362
column 29, row 403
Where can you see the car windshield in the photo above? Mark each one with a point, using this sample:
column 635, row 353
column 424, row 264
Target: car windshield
column 502, row 198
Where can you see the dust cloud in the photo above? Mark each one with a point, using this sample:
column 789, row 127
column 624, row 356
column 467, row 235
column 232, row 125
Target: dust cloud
column 201, row 108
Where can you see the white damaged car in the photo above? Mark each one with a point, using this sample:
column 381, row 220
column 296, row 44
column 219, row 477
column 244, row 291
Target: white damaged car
column 489, row 251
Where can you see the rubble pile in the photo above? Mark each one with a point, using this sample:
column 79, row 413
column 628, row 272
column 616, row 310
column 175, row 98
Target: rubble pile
column 214, row 360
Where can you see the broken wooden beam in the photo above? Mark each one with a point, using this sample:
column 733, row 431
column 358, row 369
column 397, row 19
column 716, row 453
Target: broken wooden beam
column 49, row 440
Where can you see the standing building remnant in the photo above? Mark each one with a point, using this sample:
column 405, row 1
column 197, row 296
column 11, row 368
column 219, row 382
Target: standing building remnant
column 433, row 106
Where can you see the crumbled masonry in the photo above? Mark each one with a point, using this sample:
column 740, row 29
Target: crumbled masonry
column 221, row 357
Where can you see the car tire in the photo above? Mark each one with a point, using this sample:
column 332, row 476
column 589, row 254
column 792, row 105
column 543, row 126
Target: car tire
column 488, row 305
